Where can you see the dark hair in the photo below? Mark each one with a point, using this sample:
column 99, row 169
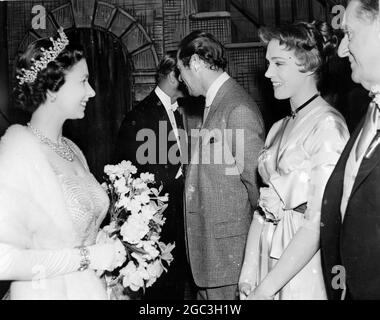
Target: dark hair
column 313, row 43
column 29, row 96
column 368, row 9
column 206, row 46
column 167, row 64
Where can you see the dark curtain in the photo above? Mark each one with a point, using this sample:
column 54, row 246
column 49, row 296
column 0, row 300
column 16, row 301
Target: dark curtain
column 110, row 76
column 4, row 119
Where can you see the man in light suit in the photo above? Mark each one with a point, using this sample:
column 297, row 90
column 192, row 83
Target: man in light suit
column 220, row 188
column 350, row 220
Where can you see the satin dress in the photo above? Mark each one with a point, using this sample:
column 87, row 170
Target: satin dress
column 295, row 169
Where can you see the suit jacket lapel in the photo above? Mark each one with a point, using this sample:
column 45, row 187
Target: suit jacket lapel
column 367, row 165
column 365, row 169
column 192, row 167
column 159, row 108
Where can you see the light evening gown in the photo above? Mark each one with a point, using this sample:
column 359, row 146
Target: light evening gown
column 46, row 214
column 296, row 169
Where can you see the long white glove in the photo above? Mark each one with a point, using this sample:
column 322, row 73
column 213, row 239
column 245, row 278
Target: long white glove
column 34, row 264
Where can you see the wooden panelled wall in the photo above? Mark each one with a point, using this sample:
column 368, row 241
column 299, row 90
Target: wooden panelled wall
column 267, row 12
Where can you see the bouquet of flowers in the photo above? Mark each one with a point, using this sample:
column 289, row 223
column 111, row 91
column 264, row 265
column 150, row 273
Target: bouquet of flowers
column 136, row 219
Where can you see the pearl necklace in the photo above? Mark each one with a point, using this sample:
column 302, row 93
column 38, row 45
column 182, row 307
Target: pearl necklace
column 62, row 149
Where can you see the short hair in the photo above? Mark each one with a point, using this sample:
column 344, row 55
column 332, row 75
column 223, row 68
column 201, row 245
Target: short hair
column 313, row 43
column 206, row 46
column 167, row 64
column 368, row 9
column 30, row 95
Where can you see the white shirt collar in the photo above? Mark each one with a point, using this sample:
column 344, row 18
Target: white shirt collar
column 165, row 99
column 214, row 88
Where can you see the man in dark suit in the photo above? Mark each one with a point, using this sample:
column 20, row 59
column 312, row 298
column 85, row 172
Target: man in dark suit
column 350, row 220
column 221, row 186
column 156, row 120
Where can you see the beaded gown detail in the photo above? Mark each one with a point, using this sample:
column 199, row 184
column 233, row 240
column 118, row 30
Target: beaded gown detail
column 86, row 201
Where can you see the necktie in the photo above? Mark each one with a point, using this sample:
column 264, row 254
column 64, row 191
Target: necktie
column 369, row 130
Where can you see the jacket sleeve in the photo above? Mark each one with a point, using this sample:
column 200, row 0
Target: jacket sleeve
column 247, row 141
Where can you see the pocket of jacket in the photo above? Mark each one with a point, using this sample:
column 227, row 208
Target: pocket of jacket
column 230, row 229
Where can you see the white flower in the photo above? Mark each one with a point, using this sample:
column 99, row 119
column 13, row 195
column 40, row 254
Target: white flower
column 127, row 167
column 113, row 171
column 121, row 186
column 134, row 229
column 147, row 177
column 159, row 219
column 164, row 198
column 154, row 270
column 124, row 202
column 135, row 206
column 143, row 197
column 166, row 251
column 140, row 259
column 139, row 184
column 134, row 276
column 148, row 212
column 154, row 237
column 121, row 254
column 149, row 248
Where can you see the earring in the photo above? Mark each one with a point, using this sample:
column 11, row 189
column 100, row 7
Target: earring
column 53, row 98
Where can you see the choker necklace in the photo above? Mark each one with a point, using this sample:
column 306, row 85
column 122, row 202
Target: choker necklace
column 294, row 113
column 62, row 149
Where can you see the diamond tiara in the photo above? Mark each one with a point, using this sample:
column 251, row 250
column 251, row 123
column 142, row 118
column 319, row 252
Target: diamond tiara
column 30, row 75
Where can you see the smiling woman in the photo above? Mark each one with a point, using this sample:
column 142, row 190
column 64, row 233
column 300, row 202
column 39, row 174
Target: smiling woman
column 299, row 52
column 282, row 257
column 52, row 206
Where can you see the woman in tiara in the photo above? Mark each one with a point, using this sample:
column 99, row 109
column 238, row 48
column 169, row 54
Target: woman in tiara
column 282, row 258
column 51, row 205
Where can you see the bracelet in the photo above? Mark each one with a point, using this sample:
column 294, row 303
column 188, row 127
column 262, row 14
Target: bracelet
column 85, row 258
